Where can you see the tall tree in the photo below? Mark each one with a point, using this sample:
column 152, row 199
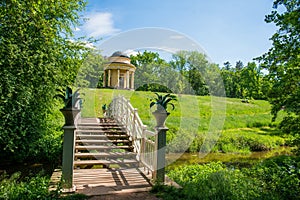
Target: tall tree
column 37, row 55
column 91, row 72
column 152, row 72
column 227, row 65
column 283, row 63
column 251, row 81
column 239, row 65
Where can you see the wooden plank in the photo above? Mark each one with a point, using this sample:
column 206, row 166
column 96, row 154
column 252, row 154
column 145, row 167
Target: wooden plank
column 105, row 181
column 105, row 154
column 99, row 147
column 104, row 162
column 102, row 141
column 100, row 131
column 102, row 136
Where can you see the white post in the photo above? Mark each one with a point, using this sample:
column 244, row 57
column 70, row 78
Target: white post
column 132, row 81
column 104, row 79
column 118, row 77
column 127, row 80
column 108, row 82
column 134, row 134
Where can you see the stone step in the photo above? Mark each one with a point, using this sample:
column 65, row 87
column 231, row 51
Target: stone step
column 102, row 147
column 106, row 155
column 105, row 162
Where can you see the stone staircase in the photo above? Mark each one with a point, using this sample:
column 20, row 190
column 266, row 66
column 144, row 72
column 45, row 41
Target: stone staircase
column 103, row 143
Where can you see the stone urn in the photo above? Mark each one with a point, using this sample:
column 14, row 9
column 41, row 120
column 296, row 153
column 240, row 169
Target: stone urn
column 160, row 117
column 70, row 115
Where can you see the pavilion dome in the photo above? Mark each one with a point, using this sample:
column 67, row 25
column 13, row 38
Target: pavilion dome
column 119, row 54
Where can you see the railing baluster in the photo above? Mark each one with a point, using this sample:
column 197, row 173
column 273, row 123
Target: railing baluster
column 123, row 112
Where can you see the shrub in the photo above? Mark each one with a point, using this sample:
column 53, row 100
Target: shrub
column 214, row 181
column 275, row 178
column 32, row 188
column 281, row 177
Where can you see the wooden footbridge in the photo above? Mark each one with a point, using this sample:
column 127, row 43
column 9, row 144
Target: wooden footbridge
column 112, row 154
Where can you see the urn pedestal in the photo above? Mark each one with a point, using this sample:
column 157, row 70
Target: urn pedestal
column 70, row 115
column 160, row 117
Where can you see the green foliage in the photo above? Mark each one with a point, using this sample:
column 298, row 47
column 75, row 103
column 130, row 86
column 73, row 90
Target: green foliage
column 37, row 55
column 275, row 178
column 167, row 192
column 152, row 73
column 247, row 126
column 214, row 181
column 162, row 101
column 195, row 75
column 280, row 177
column 69, row 98
column 291, row 125
column 32, row 188
column 90, row 74
column 244, row 81
column 36, row 187
column 246, row 140
column 283, row 63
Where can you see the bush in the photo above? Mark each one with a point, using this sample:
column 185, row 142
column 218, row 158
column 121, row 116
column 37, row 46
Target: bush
column 12, row 188
column 31, row 188
column 275, row 178
column 281, row 177
column 167, row 192
column 291, row 125
column 214, row 181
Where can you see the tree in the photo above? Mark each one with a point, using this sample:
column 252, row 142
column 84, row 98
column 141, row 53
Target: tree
column 227, row 65
column 239, row 65
column 152, row 74
column 91, row 72
column 251, row 81
column 283, row 64
column 37, row 55
column 196, row 74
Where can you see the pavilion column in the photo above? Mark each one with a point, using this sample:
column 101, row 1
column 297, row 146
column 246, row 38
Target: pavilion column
column 127, row 79
column 109, row 77
column 118, row 78
column 104, row 79
column 132, row 81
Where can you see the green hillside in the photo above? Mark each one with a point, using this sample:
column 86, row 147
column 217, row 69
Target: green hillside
column 202, row 122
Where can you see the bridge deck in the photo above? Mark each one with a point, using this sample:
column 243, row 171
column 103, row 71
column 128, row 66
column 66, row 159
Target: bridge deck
column 110, row 181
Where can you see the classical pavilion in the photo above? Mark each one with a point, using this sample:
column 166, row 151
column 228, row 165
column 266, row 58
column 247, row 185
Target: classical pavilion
column 119, row 72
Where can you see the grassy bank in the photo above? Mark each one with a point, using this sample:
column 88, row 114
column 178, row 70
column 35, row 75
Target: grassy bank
column 275, row 178
column 199, row 121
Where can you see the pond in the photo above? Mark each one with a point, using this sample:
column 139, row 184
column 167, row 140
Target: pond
column 240, row 160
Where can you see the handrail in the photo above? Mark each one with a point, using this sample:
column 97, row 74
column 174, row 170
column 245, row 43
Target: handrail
column 123, row 112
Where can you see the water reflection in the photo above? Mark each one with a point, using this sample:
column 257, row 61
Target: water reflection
column 228, row 158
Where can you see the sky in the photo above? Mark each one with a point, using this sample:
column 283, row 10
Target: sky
column 227, row 30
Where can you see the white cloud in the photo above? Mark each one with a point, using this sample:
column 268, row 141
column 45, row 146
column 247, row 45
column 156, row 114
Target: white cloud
column 130, row 52
column 89, row 45
column 100, row 24
column 176, row 37
column 77, row 29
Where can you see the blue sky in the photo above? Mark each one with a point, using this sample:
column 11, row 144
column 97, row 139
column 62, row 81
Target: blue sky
column 228, row 30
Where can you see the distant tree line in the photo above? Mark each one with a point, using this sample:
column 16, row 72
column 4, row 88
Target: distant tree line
column 191, row 73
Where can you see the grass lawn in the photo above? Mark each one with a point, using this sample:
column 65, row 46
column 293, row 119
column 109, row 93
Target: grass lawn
column 200, row 120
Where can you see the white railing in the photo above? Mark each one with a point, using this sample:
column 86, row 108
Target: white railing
column 143, row 140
